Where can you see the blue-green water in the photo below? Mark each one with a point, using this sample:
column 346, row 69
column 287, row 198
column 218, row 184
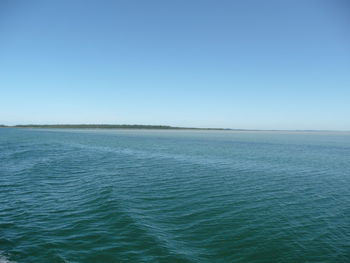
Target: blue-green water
column 173, row 196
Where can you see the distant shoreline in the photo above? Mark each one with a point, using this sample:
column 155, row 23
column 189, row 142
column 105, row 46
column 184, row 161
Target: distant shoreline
column 109, row 126
column 147, row 127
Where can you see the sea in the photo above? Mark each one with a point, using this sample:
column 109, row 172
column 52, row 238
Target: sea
column 174, row 196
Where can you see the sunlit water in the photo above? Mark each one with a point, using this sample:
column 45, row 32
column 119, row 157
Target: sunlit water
column 173, row 196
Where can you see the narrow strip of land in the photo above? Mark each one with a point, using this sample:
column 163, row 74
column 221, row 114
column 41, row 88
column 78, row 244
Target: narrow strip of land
column 108, row 126
column 140, row 126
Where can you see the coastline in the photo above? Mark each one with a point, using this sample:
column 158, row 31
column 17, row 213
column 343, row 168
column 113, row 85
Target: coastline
column 155, row 127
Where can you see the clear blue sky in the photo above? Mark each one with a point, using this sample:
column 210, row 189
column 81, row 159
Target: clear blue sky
column 236, row 64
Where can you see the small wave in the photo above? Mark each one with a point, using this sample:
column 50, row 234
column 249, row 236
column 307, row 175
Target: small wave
column 4, row 259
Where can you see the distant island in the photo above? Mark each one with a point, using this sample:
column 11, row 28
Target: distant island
column 108, row 126
column 140, row 126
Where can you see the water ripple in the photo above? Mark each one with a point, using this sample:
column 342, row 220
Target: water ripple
column 148, row 197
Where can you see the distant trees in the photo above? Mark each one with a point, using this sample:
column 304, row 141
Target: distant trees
column 109, row 126
column 96, row 126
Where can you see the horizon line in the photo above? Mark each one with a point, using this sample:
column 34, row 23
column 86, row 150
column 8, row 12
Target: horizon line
column 151, row 126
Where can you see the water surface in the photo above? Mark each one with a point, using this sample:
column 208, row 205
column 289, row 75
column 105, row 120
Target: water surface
column 173, row 196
